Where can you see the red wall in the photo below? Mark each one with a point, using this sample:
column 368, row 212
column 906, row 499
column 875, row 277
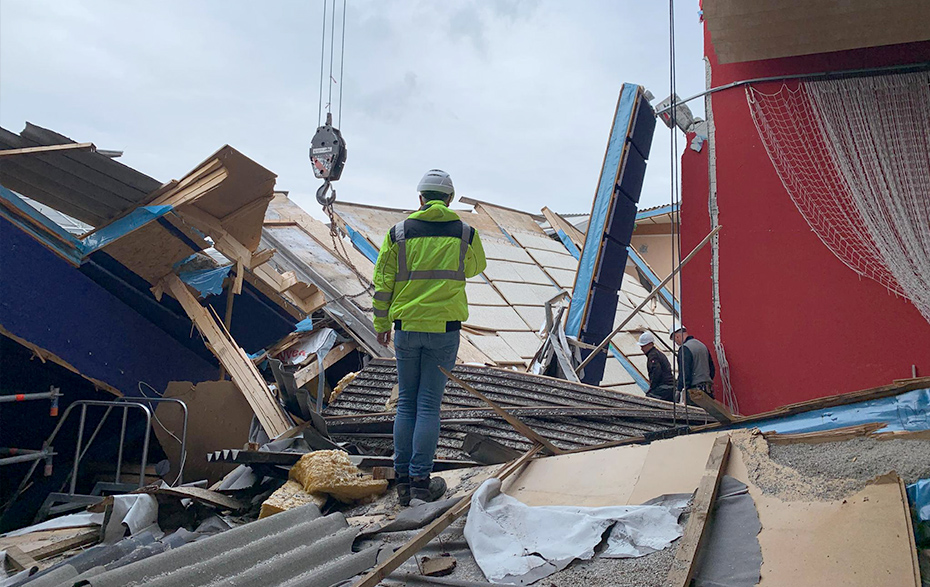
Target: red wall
column 797, row 323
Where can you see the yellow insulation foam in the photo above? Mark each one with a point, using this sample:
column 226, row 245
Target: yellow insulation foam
column 289, row 496
column 331, row 472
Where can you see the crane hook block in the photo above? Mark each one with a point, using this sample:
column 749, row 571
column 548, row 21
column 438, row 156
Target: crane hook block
column 328, row 151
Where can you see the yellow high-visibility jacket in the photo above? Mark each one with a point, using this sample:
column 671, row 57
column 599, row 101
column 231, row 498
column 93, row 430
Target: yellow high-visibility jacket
column 421, row 270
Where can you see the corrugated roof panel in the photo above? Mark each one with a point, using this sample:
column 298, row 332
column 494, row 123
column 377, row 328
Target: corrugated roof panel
column 296, row 547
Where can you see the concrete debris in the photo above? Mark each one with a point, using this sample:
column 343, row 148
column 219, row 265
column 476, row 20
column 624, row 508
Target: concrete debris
column 331, row 472
column 439, row 566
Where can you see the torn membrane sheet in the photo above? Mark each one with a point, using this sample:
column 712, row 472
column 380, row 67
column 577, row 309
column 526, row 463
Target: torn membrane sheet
column 517, row 544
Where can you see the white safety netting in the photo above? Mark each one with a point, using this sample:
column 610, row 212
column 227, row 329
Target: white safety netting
column 854, row 155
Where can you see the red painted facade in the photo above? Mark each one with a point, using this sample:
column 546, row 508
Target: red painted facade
column 797, row 323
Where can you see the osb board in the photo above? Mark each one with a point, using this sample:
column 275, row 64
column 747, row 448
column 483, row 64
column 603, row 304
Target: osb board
column 218, row 418
column 516, row 272
column 556, row 260
column 495, row 318
column 525, row 294
column 323, row 262
column 511, row 220
column 545, row 243
column 482, row 294
column 504, row 251
column 525, row 343
column 623, row 475
column 372, row 222
column 495, row 348
column 284, row 209
column 863, row 540
column 150, row 252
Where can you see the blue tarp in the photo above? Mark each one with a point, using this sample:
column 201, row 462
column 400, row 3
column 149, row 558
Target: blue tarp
column 206, row 281
column 908, row 411
column 305, row 325
column 362, row 244
column 119, row 228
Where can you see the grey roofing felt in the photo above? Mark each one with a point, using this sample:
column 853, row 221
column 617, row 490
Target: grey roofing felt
column 296, row 548
column 89, row 187
column 570, row 415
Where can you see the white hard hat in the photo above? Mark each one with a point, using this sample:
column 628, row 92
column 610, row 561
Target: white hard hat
column 646, row 338
column 436, row 180
column 675, row 329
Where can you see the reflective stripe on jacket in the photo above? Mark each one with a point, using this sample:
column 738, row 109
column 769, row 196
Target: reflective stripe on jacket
column 421, row 270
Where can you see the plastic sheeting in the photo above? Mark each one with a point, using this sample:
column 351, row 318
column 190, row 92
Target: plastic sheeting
column 517, row 544
column 730, row 554
column 119, row 228
column 207, row 282
column 907, row 411
column 918, row 494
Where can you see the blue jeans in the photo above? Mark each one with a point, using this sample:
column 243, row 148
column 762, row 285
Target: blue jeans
column 420, row 386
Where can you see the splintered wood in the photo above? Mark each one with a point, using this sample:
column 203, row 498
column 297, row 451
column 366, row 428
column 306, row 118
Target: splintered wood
column 234, row 360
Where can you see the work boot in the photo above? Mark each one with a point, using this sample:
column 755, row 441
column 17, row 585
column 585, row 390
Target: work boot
column 403, row 490
column 427, row 488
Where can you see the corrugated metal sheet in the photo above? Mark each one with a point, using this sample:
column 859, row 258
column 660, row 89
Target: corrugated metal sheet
column 296, row 548
column 568, row 414
column 89, row 187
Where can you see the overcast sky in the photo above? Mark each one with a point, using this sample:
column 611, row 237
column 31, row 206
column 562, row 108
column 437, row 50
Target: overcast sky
column 513, row 98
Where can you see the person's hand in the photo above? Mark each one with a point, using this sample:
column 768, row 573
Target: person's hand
column 384, row 338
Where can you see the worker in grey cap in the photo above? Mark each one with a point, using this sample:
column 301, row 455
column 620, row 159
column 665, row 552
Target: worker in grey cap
column 695, row 365
column 661, row 382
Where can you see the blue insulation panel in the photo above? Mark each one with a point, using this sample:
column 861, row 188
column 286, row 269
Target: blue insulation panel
column 610, row 228
column 52, row 304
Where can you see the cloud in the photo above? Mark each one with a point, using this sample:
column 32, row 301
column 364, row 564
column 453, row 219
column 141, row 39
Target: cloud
column 513, row 98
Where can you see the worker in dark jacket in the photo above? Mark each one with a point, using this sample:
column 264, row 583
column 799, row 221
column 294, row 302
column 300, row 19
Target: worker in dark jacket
column 695, row 365
column 661, row 382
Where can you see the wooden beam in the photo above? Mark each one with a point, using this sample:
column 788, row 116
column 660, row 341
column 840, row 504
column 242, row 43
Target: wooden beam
column 48, row 149
column 82, row 538
column 417, row 543
column 262, row 257
column 233, row 358
column 683, row 565
column 308, row 373
column 522, row 428
column 719, row 411
column 559, row 223
column 19, row 560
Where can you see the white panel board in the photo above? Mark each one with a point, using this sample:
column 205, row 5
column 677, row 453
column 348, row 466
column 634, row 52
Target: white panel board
column 482, row 294
column 525, row 294
column 556, row 260
column 495, row 318
column 530, row 241
column 517, row 272
column 564, row 277
column 627, row 343
column 524, row 343
column 495, row 348
column 631, row 389
column 534, row 316
column 502, row 250
column 615, row 374
column 639, row 361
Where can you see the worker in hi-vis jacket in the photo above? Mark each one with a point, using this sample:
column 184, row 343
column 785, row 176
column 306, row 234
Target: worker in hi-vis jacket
column 420, row 291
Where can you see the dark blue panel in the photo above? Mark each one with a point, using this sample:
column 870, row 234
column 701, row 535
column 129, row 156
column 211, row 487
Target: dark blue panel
column 594, row 371
column 600, row 318
column 643, row 128
column 48, row 302
column 612, row 263
column 257, row 322
column 631, row 180
column 622, row 221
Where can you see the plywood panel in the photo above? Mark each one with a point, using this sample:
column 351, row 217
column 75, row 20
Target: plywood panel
column 511, row 220
column 557, row 260
column 524, row 343
column 624, row 475
column 517, row 272
column 525, row 294
column 495, row 318
column 495, row 348
column 482, row 294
